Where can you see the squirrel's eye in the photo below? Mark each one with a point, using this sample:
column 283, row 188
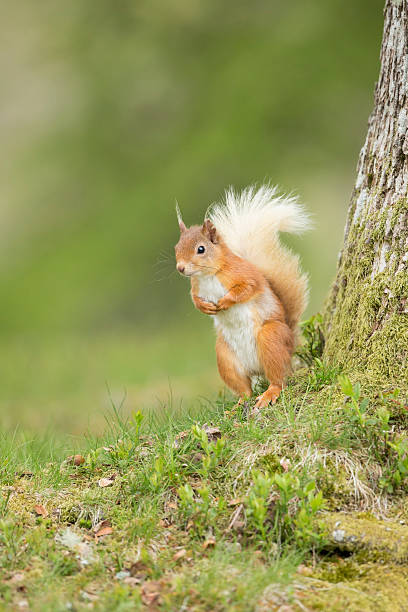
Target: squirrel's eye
column 201, row 250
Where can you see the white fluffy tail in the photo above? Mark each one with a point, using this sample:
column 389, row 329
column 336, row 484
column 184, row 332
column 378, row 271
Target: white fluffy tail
column 249, row 223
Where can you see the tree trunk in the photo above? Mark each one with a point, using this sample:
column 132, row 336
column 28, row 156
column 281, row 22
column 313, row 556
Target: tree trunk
column 366, row 315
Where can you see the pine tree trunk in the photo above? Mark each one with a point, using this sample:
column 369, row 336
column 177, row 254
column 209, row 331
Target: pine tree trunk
column 366, row 316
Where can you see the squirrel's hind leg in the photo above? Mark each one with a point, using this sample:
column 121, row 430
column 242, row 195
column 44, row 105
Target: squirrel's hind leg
column 230, row 369
column 275, row 347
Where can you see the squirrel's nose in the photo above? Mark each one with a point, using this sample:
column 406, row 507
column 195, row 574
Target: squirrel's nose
column 181, row 268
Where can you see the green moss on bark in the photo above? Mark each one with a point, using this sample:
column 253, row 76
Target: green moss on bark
column 366, row 320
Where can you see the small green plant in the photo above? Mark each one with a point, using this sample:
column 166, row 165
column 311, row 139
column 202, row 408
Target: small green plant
column 305, row 524
column 127, row 437
column 157, row 475
column 396, row 474
column 314, row 340
column 125, row 447
column 92, row 459
column 11, row 536
column 4, row 501
column 143, row 525
column 396, row 406
column 257, row 502
column 320, row 374
column 384, row 415
column 199, row 508
column 310, row 352
column 121, row 452
column 287, row 506
column 136, row 425
column 389, row 447
column 212, row 450
column 62, row 565
column 374, row 425
column 296, row 509
column 357, row 411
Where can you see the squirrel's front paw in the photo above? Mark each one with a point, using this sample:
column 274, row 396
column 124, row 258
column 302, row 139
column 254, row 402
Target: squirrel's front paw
column 222, row 304
column 209, row 308
column 206, row 307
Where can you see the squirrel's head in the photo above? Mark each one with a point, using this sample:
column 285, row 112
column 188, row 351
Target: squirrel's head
column 198, row 252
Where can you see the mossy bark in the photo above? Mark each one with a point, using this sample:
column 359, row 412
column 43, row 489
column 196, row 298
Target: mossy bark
column 366, row 315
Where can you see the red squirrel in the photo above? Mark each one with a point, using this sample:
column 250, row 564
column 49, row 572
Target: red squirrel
column 250, row 283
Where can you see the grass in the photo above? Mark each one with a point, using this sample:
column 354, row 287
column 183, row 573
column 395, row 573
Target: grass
column 67, row 382
column 208, row 509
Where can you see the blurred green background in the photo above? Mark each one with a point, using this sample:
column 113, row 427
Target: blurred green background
column 109, row 111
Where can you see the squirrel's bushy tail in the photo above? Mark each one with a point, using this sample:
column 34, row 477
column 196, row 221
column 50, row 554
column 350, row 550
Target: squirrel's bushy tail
column 249, row 223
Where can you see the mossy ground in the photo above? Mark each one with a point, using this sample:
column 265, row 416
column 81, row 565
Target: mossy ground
column 66, row 542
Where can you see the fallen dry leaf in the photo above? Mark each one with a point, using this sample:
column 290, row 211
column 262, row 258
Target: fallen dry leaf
column 88, row 538
column 40, row 510
column 104, row 531
column 139, row 570
column 151, row 592
column 179, row 554
column 104, row 523
column 208, row 543
column 105, row 482
column 213, row 433
column 235, row 502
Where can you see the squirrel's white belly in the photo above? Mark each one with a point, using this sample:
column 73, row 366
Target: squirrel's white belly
column 238, row 328
column 237, row 324
column 211, row 289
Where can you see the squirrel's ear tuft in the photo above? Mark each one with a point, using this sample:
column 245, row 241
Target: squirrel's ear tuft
column 210, row 231
column 181, row 223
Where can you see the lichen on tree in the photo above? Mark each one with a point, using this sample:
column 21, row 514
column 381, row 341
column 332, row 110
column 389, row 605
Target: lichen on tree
column 366, row 315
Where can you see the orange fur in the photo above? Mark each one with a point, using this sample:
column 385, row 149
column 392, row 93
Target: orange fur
column 243, row 283
column 241, row 278
column 275, row 347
